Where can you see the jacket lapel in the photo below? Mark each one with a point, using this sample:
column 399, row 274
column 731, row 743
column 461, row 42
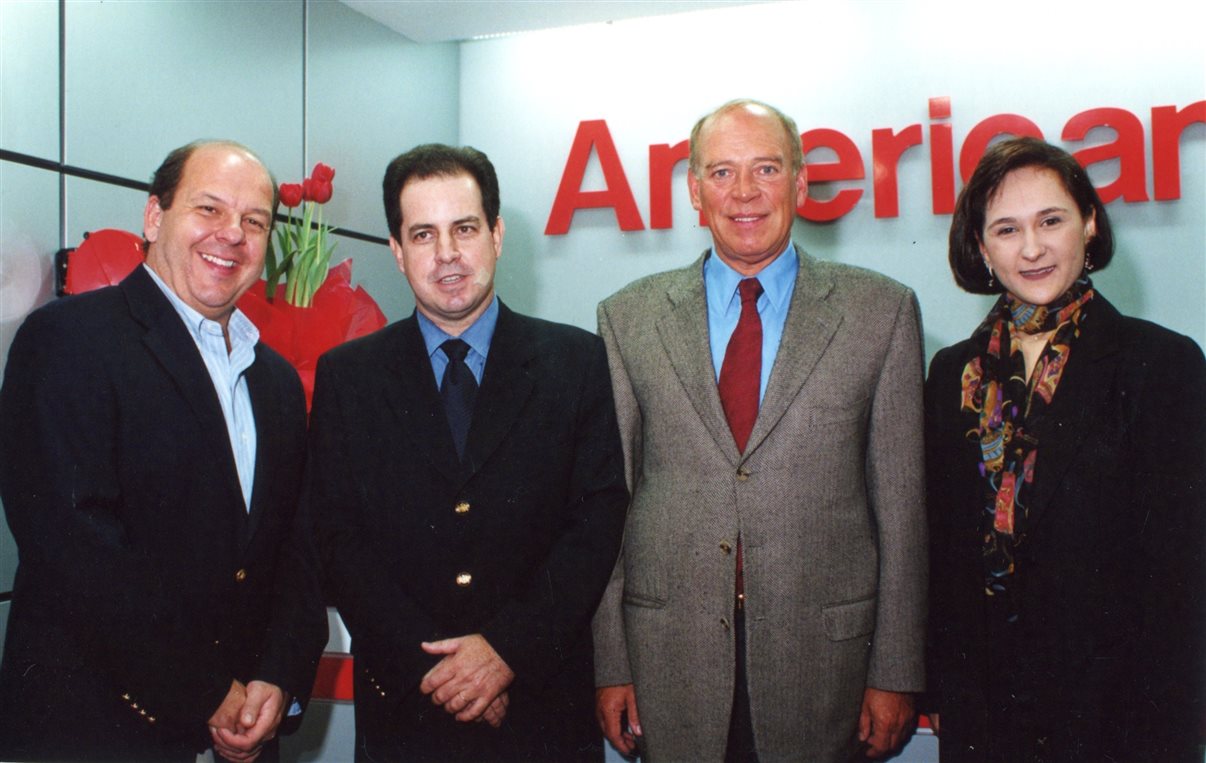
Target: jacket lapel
column 506, row 385
column 416, row 402
column 684, row 335
column 1079, row 400
column 810, row 326
column 268, row 426
column 169, row 341
column 415, row 399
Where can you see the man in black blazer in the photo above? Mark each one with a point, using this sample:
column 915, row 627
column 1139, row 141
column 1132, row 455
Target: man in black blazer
column 467, row 487
column 150, row 469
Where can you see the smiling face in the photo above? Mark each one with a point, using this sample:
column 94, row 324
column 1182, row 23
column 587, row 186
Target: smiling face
column 447, row 251
column 208, row 247
column 1034, row 235
column 746, row 188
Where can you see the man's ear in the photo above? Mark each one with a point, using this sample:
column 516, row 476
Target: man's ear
column 396, row 248
column 152, row 217
column 801, row 186
column 497, row 235
column 693, row 187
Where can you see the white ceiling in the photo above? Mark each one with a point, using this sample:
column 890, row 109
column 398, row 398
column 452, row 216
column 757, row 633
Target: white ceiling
column 454, row 20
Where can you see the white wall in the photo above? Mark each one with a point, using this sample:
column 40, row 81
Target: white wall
column 853, row 67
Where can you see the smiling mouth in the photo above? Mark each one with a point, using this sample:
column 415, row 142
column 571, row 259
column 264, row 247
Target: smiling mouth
column 450, row 280
column 228, row 264
column 746, row 218
column 1038, row 273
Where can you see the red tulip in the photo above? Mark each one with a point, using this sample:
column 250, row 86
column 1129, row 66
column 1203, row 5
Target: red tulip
column 291, row 194
column 318, row 191
column 322, row 191
column 323, row 172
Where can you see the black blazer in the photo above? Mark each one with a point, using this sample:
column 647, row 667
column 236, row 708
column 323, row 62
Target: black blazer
column 1105, row 658
column 144, row 586
column 534, row 515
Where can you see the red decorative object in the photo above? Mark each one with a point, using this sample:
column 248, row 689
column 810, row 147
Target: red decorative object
column 339, row 312
column 324, row 173
column 303, row 248
column 334, row 678
column 317, row 187
column 291, row 194
column 317, row 191
column 103, row 259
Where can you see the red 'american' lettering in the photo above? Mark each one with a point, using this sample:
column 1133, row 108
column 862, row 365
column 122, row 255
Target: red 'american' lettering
column 844, row 162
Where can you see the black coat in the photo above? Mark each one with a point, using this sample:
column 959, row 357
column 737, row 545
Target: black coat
column 1105, row 658
column 541, row 500
column 143, row 586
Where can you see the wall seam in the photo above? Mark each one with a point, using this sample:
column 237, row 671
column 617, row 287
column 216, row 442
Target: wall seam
column 62, row 122
column 305, row 90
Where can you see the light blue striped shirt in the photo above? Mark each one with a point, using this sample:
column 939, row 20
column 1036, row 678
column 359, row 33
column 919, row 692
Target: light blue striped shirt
column 778, row 281
column 227, row 371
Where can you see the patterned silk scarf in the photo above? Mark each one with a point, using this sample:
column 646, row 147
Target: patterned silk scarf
column 996, row 388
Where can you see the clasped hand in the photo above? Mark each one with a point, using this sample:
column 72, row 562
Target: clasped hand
column 246, row 719
column 470, row 681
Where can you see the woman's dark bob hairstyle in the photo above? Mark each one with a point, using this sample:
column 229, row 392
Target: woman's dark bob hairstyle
column 967, row 227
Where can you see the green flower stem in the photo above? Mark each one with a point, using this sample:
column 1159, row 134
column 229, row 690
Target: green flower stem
column 304, row 258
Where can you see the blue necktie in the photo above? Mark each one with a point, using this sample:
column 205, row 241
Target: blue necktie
column 458, row 390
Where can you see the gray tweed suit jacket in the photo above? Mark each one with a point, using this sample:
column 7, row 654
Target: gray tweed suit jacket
column 828, row 500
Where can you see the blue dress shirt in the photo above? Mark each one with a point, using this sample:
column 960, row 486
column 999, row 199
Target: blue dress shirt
column 778, row 281
column 478, row 337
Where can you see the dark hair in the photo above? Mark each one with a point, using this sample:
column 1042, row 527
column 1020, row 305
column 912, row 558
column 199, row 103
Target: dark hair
column 967, row 264
column 431, row 160
column 167, row 177
column 787, row 123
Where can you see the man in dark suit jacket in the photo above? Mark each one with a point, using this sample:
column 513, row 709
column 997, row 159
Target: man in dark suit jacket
column 466, row 483
column 150, row 469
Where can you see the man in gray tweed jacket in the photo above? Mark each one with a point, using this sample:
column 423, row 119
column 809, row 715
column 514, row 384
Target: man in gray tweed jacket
column 769, row 602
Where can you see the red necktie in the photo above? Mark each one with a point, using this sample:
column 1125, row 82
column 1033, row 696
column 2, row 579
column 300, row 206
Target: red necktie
column 741, row 372
column 740, row 380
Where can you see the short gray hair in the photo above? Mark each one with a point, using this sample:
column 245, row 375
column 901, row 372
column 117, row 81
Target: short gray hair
column 788, row 124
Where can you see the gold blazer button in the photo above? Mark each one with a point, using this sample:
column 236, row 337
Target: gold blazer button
column 462, row 507
column 241, row 575
column 464, row 579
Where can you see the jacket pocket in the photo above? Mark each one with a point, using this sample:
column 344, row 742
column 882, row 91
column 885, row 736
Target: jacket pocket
column 838, row 412
column 850, row 619
column 638, row 599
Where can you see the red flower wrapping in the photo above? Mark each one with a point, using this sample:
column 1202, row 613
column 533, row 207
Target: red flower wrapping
column 340, row 312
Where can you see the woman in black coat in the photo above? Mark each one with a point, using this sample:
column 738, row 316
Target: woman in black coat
column 1065, row 464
